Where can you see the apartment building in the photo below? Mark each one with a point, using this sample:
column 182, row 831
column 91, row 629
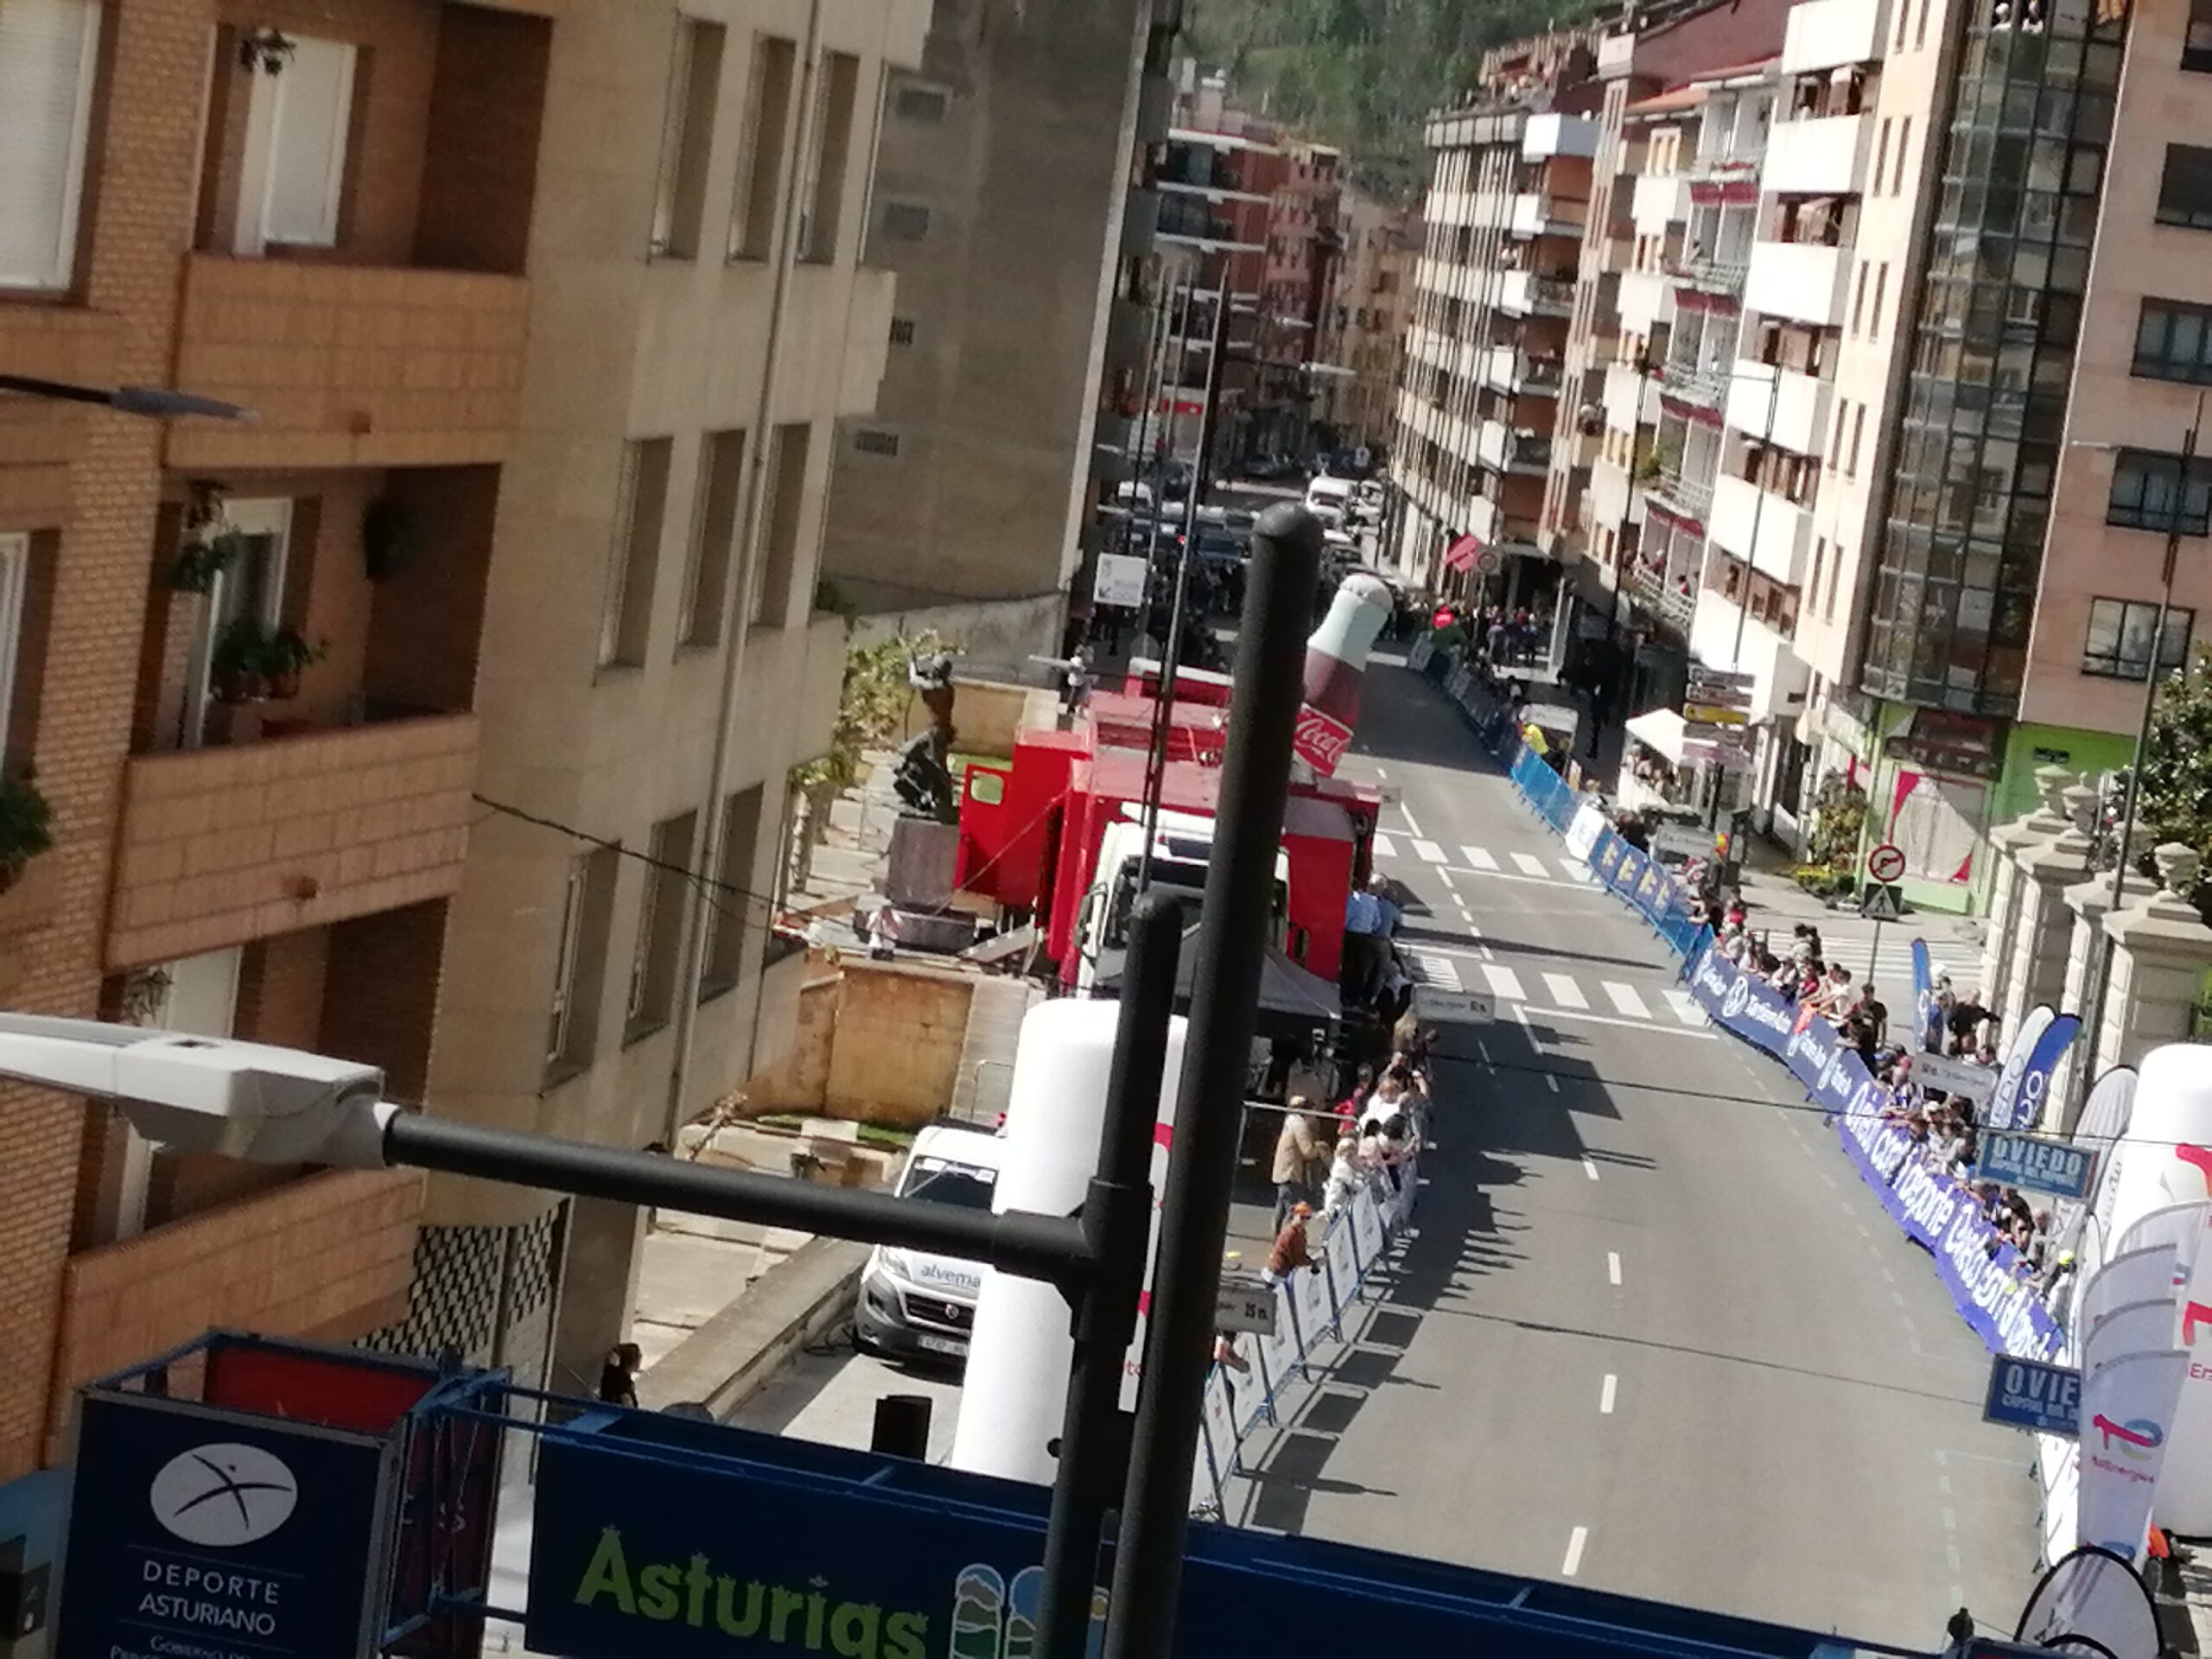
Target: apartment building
column 1001, row 203
column 546, row 313
column 1506, row 214
column 1305, row 244
column 1364, row 319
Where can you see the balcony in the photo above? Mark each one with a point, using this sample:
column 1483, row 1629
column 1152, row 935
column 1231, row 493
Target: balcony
column 1722, row 635
column 348, row 366
column 219, row 847
column 1610, row 496
column 1535, row 214
column 1524, row 294
column 1546, row 136
column 1650, row 582
column 1685, row 497
column 1705, row 384
column 1801, row 281
column 1647, row 302
column 1783, row 531
column 1820, row 157
column 1502, row 450
column 1799, row 414
column 1722, row 276
column 1196, row 169
column 1824, row 35
column 1660, row 200
column 1140, row 222
column 1184, row 221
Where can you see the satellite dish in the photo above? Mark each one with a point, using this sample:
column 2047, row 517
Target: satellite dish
column 2092, row 1601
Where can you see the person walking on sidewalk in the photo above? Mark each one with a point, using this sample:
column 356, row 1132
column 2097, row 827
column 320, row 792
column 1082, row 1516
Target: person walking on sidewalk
column 1299, row 1158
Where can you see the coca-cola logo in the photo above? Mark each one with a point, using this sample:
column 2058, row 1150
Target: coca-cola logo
column 1320, row 741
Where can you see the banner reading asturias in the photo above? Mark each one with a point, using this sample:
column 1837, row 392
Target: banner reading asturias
column 1986, row 1277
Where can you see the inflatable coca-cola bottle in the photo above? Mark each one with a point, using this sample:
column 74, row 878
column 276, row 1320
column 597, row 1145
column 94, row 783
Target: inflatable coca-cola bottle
column 1336, row 661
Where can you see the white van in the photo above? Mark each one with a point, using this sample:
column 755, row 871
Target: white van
column 1327, row 498
column 913, row 1305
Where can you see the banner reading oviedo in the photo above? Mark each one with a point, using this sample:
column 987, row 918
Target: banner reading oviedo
column 1986, row 1277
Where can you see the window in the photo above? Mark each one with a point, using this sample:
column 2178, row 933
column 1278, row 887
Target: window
column 636, row 555
column 49, row 48
column 760, row 153
column 873, row 441
column 736, row 903
column 714, row 538
column 660, row 927
column 1904, row 147
column 694, row 89
column 908, row 221
column 249, row 590
column 1919, row 29
column 1858, row 431
column 924, row 105
column 579, row 966
column 2185, row 188
column 2145, row 485
column 772, row 576
column 1881, row 285
column 1858, row 297
column 1835, row 572
column 2197, row 41
column 1836, row 431
column 2173, row 342
column 902, row 331
column 828, row 145
column 298, row 120
column 18, row 712
column 2119, row 643
column 1882, row 153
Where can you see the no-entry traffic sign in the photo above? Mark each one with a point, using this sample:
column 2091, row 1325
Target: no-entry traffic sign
column 1885, row 862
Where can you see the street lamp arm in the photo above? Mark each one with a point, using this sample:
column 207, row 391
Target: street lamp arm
column 158, row 401
column 1050, row 1248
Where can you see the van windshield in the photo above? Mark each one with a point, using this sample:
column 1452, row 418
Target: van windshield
column 941, row 1181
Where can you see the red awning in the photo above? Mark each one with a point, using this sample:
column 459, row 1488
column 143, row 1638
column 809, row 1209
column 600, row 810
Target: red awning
column 1460, row 556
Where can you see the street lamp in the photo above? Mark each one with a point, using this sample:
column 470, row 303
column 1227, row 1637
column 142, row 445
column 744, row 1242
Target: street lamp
column 2095, row 1017
column 157, row 402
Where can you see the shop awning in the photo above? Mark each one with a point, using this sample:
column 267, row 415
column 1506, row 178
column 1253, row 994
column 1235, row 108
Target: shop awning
column 1461, row 555
column 1660, row 731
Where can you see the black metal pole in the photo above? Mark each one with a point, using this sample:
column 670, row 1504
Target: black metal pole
column 1117, row 1221
column 1052, row 1247
column 1224, row 1008
column 1163, row 721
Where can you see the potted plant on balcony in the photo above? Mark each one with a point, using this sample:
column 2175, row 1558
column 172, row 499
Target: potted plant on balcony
column 265, row 50
column 284, row 656
column 239, row 667
column 26, row 825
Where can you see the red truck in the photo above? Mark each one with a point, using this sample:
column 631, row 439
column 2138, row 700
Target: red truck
column 1057, row 833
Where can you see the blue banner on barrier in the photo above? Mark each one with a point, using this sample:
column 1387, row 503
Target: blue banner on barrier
column 1927, row 1018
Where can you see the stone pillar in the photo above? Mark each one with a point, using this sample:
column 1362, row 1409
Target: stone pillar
column 2043, row 927
column 2161, row 948
column 2089, row 901
column 2008, row 843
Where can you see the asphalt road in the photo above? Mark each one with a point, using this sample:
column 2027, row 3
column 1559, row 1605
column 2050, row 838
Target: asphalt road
column 1652, row 1334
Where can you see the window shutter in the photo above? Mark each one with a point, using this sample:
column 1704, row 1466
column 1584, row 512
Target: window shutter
column 47, row 49
column 307, row 161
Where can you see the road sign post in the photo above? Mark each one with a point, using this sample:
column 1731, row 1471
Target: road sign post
column 1881, row 900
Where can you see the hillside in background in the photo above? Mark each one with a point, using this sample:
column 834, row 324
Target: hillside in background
column 1360, row 74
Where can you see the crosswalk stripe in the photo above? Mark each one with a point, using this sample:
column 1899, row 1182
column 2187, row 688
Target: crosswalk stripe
column 1565, row 991
column 1479, row 858
column 1530, row 864
column 1686, row 1008
column 1505, row 982
column 1429, row 850
column 1384, row 847
column 1626, row 1000
column 1435, row 968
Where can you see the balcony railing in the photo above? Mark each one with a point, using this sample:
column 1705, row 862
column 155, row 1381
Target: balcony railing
column 1684, row 496
column 1703, row 384
column 1710, row 276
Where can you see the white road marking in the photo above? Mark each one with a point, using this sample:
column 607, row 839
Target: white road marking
column 1575, row 1540
column 1530, row 880
column 1488, row 954
column 1625, row 998
column 1951, row 1554
column 1829, row 1178
column 1435, row 968
column 1950, row 1519
column 1521, row 1013
column 1897, row 1296
column 1863, row 1233
column 1942, row 1460
column 1553, row 1079
column 1503, row 981
column 1480, row 859
column 1473, row 930
column 1686, row 1008
column 1590, row 1167
column 1943, row 1485
column 1888, row 1278
column 1444, row 876
column 1429, row 850
column 1384, row 847
column 1383, row 774
column 1530, row 864
column 1407, row 813
column 1913, row 1343
column 1483, row 1049
column 1635, row 1025
column 1565, row 991
column 1576, row 872
column 1613, row 1266
column 1605, row 1394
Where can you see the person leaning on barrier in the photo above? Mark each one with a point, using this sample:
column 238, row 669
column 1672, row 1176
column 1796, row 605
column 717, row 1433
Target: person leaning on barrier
column 1346, row 1176
column 1290, row 1251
